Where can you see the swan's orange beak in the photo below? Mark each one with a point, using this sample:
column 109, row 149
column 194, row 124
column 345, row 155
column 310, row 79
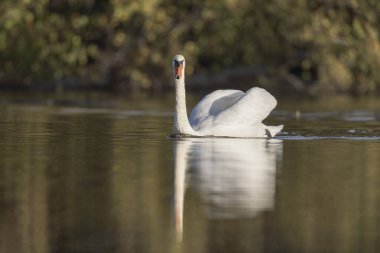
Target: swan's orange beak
column 178, row 69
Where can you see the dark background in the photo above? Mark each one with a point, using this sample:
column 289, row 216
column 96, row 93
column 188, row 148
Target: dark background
column 315, row 47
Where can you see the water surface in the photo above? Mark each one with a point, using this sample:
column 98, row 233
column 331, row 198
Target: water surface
column 104, row 176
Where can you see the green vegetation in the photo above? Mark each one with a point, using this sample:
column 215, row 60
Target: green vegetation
column 308, row 46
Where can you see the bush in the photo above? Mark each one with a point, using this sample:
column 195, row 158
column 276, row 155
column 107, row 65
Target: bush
column 312, row 46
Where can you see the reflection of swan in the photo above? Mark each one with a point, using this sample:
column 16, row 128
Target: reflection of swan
column 235, row 177
column 231, row 113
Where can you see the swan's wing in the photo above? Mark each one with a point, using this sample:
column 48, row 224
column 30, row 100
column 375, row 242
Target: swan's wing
column 252, row 108
column 213, row 104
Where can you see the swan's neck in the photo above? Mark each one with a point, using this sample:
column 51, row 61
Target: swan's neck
column 181, row 121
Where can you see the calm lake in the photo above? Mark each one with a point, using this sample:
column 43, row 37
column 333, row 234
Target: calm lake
column 101, row 174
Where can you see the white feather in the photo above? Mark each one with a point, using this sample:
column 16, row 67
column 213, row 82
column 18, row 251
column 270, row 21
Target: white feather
column 213, row 104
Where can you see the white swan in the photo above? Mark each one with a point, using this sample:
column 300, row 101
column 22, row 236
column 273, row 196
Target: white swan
column 228, row 113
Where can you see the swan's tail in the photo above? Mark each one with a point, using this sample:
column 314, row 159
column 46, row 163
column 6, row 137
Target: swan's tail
column 273, row 130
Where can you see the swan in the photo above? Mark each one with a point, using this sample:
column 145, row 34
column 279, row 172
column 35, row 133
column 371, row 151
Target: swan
column 223, row 113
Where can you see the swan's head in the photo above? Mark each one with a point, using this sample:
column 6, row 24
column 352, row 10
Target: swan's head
column 179, row 66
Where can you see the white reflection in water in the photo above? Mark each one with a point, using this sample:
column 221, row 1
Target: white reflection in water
column 235, row 177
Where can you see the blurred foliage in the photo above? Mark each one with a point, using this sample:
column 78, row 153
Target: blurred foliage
column 311, row 46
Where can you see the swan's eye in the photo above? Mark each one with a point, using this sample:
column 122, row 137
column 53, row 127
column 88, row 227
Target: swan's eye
column 178, row 63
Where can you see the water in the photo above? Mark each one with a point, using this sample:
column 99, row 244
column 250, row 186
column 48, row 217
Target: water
column 106, row 177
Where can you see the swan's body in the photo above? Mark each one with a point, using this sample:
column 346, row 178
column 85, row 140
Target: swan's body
column 228, row 113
